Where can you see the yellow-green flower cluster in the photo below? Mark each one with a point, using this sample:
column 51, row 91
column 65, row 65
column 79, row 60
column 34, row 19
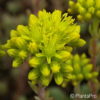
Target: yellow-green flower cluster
column 86, row 9
column 82, row 69
column 46, row 44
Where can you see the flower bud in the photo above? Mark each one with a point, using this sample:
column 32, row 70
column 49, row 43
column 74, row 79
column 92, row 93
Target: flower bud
column 18, row 42
column 68, row 68
column 13, row 33
column 81, row 1
column 80, row 17
column 12, row 52
column 22, row 30
column 69, row 62
column 68, row 48
column 71, row 77
column 16, row 63
column 22, row 54
column 58, row 78
column 45, row 70
column 91, row 10
column 70, row 10
column 87, row 68
column 32, row 47
column 76, row 59
column 45, row 81
column 77, row 5
column 71, row 3
column 79, row 76
column 49, row 60
column 55, row 67
column 85, row 61
column 74, row 36
column 83, row 56
column 98, row 13
column 88, row 16
column 64, row 55
column 90, row 3
column 81, row 42
column 7, row 45
column 95, row 74
column 81, row 10
column 2, row 53
column 34, row 62
column 77, row 68
column 33, row 74
column 32, row 20
column 88, row 75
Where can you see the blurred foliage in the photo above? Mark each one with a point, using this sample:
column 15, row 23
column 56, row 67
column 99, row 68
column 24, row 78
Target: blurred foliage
column 57, row 93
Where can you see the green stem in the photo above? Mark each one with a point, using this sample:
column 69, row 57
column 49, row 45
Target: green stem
column 93, row 52
column 93, row 49
column 77, row 91
column 94, row 31
column 41, row 93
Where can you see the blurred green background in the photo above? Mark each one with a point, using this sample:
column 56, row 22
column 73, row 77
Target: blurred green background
column 13, row 82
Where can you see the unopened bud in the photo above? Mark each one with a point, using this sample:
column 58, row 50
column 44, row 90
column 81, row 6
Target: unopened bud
column 88, row 75
column 58, row 78
column 45, row 70
column 95, row 74
column 81, row 42
column 33, row 74
column 2, row 53
column 88, row 16
column 79, row 76
column 55, row 67
column 16, row 63
column 71, row 3
column 45, row 81
column 22, row 54
column 87, row 68
column 64, row 55
column 22, row 30
column 91, row 10
column 80, row 17
column 68, row 68
column 12, row 52
column 34, row 62
column 32, row 47
column 98, row 13
column 13, row 33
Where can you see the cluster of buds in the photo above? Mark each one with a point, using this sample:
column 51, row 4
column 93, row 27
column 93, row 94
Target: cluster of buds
column 82, row 69
column 46, row 44
column 86, row 9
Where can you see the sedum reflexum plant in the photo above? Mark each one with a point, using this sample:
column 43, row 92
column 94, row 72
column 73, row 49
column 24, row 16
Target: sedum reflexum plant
column 46, row 44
